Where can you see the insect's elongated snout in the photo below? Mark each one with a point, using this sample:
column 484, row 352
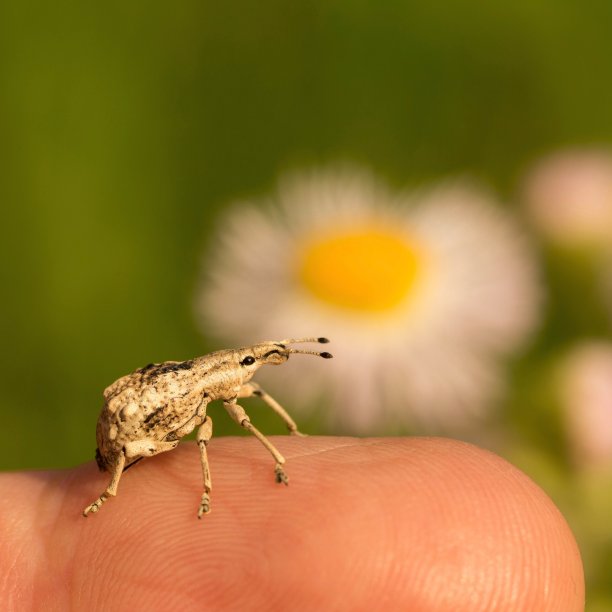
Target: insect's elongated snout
column 275, row 352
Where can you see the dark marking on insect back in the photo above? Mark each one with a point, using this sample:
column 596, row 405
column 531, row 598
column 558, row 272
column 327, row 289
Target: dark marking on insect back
column 154, row 413
column 271, row 353
column 165, row 368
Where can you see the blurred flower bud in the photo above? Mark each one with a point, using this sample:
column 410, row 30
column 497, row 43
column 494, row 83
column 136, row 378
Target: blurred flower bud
column 569, row 197
column 586, row 396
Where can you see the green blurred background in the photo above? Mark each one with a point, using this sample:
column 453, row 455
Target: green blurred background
column 125, row 129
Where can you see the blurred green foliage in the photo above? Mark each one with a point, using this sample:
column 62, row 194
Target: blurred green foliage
column 125, row 127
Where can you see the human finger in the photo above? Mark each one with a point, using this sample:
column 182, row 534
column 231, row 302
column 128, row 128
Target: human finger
column 411, row 523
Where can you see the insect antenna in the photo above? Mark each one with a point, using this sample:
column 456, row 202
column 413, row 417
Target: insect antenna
column 325, row 355
column 300, row 340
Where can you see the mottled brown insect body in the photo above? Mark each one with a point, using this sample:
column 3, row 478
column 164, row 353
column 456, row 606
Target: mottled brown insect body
column 149, row 411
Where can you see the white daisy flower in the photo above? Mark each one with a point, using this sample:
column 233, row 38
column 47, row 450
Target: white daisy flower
column 586, row 397
column 569, row 197
column 419, row 294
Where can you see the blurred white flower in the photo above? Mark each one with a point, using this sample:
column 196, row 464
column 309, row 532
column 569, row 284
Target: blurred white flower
column 569, row 197
column 419, row 295
column 586, row 397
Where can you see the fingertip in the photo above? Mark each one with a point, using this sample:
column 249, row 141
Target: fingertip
column 406, row 523
column 488, row 533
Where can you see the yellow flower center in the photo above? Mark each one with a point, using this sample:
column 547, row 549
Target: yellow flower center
column 364, row 269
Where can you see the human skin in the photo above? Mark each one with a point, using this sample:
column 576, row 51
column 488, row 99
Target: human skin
column 417, row 524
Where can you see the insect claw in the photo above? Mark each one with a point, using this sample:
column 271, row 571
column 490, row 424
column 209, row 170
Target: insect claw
column 204, row 505
column 93, row 508
column 281, row 477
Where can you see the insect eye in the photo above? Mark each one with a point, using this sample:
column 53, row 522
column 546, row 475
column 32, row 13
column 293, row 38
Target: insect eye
column 248, row 361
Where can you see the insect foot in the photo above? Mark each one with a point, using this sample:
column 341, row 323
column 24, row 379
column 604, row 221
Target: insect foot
column 280, row 475
column 148, row 411
column 204, row 505
column 93, row 508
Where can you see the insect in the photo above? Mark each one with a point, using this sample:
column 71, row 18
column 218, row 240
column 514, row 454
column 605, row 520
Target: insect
column 148, row 412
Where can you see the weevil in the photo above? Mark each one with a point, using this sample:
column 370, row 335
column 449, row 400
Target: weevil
column 148, row 412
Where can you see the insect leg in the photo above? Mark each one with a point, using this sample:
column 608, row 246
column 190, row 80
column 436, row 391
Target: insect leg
column 252, row 388
column 203, row 437
column 240, row 416
column 111, row 490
